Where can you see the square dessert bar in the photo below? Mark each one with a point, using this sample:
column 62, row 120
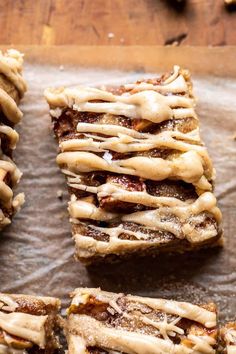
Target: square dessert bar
column 140, row 178
column 12, row 89
column 27, row 324
column 103, row 322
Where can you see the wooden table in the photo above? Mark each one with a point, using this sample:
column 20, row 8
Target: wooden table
column 117, row 22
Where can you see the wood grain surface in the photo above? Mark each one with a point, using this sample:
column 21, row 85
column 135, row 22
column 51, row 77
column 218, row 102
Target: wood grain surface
column 201, row 60
column 117, row 22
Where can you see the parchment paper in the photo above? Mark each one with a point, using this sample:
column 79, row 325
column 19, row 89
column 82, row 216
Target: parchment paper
column 36, row 251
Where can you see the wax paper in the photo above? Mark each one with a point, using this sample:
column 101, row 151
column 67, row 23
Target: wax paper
column 36, row 250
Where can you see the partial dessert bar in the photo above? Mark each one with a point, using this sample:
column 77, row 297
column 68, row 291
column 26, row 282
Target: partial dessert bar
column 12, row 89
column 228, row 338
column 27, row 324
column 104, row 322
column 140, row 178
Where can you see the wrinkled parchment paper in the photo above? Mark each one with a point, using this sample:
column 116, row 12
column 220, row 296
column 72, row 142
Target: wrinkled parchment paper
column 36, row 251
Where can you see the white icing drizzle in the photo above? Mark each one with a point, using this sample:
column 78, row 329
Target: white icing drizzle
column 20, row 329
column 228, row 334
column 88, row 246
column 55, row 112
column 231, row 349
column 11, row 67
column 26, row 326
column 149, row 104
column 176, row 83
column 85, row 331
column 9, row 107
column 76, row 345
column 188, row 214
column 180, row 309
column 13, row 342
column 205, row 202
column 7, row 303
column 6, row 193
column 126, row 140
column 188, row 166
column 4, row 349
column 117, row 130
column 202, row 344
column 188, row 161
column 151, row 219
column 178, row 86
column 8, row 165
column 166, row 328
column 125, row 143
column 97, row 334
column 11, row 134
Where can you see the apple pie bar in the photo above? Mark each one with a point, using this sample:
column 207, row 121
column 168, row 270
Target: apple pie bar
column 27, row 324
column 140, row 178
column 101, row 322
column 12, row 89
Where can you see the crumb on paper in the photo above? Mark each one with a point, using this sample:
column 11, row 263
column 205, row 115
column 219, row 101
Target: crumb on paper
column 59, row 194
column 61, row 67
column 122, row 40
column 110, row 35
column 176, row 40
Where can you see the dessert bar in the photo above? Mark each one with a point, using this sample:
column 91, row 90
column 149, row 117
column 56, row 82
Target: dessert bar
column 12, row 89
column 140, row 178
column 228, row 338
column 104, row 322
column 27, row 324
